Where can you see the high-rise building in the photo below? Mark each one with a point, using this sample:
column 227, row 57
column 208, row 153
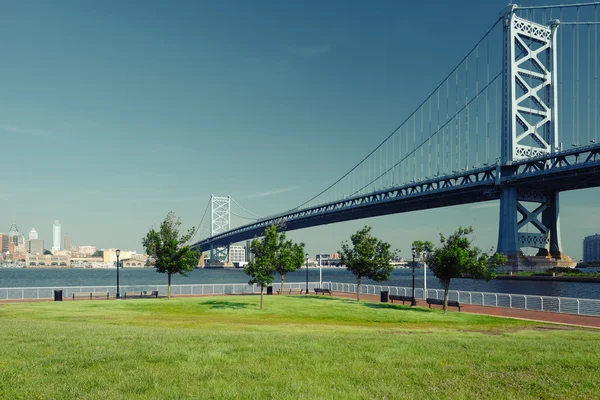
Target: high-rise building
column 67, row 242
column 86, row 249
column 4, row 242
column 35, row 246
column 237, row 254
column 56, row 236
column 33, row 234
column 591, row 248
column 14, row 234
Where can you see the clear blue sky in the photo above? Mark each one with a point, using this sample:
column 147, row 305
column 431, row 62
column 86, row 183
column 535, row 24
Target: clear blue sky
column 115, row 112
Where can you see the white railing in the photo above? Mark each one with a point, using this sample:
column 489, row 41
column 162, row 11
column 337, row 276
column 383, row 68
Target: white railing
column 567, row 305
column 21, row 293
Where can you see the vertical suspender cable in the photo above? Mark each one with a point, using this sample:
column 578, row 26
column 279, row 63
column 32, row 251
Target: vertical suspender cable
column 578, row 72
column 498, row 128
column 596, row 133
column 414, row 177
column 477, row 106
column 421, row 146
column 457, row 141
column 429, row 142
column 446, row 141
column 589, row 85
column 561, row 106
column 438, row 156
column 574, row 115
column 487, row 105
column 467, row 111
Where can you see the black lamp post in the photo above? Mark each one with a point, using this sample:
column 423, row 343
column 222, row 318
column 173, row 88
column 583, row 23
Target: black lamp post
column 118, row 252
column 306, row 273
column 413, row 302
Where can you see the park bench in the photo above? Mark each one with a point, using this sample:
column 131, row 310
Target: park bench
column 291, row 290
column 323, row 291
column 140, row 293
column 440, row 302
column 400, row 298
column 90, row 295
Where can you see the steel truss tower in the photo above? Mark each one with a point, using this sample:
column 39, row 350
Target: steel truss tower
column 529, row 129
column 220, row 221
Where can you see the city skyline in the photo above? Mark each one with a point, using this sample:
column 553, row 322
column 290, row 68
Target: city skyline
column 135, row 113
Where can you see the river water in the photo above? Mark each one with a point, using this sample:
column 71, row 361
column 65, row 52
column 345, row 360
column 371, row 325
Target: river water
column 28, row 277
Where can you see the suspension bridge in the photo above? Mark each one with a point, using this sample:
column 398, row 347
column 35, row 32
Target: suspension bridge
column 515, row 120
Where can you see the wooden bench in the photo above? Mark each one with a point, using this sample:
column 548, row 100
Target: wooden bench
column 291, row 290
column 90, row 295
column 440, row 302
column 140, row 293
column 323, row 291
column 393, row 297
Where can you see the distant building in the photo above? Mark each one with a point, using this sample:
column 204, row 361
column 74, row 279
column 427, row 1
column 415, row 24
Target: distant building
column 237, row 254
column 35, row 246
column 110, row 255
column 33, row 234
column 591, row 248
column 48, row 261
column 14, row 235
column 56, row 236
column 86, row 249
column 67, row 242
column 4, row 242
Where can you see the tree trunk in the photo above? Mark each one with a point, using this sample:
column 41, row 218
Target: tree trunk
column 358, row 290
column 169, row 287
column 262, row 288
column 282, row 282
column 446, row 287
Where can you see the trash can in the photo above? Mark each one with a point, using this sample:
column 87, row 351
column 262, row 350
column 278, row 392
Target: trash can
column 58, row 295
column 269, row 290
column 384, row 296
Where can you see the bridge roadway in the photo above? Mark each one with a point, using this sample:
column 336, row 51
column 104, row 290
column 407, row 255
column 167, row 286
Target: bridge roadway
column 578, row 168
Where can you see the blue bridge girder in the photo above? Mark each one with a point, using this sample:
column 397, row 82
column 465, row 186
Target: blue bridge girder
column 573, row 169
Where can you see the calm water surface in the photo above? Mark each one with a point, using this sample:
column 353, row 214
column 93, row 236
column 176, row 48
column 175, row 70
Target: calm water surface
column 22, row 277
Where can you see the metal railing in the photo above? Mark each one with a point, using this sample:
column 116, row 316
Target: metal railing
column 567, row 305
column 22, row 293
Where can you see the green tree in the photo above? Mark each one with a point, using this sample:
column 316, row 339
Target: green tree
column 170, row 249
column 368, row 257
column 98, row 253
column 47, row 252
column 456, row 257
column 289, row 257
column 261, row 269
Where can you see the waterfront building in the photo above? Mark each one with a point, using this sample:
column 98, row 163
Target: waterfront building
column 67, row 242
column 591, row 248
column 35, row 246
column 33, row 234
column 48, row 260
column 56, row 236
column 110, row 255
column 237, row 254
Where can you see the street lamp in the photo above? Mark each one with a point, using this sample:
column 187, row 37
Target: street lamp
column 118, row 253
column 306, row 273
column 413, row 303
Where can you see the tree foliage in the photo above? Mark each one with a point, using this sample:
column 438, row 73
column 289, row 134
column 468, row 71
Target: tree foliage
column 98, row 253
column 47, row 252
column 368, row 257
column 262, row 268
column 170, row 249
column 455, row 258
column 289, row 257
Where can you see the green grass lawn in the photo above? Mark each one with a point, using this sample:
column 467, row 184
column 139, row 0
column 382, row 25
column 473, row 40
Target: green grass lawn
column 297, row 348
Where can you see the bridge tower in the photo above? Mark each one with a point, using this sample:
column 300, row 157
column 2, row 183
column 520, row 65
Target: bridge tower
column 529, row 129
column 220, row 221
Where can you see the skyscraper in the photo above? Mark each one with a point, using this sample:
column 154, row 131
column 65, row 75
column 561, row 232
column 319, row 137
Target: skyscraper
column 591, row 248
column 56, row 236
column 33, row 234
column 67, row 242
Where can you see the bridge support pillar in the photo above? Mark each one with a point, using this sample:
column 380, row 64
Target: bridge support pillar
column 508, row 243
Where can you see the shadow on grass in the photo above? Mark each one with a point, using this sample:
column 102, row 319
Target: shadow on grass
column 396, row 307
column 220, row 304
column 317, row 298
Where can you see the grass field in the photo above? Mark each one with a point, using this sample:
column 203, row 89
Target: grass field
column 297, row 348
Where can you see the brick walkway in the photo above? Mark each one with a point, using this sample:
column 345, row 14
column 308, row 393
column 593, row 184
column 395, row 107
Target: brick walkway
column 569, row 319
